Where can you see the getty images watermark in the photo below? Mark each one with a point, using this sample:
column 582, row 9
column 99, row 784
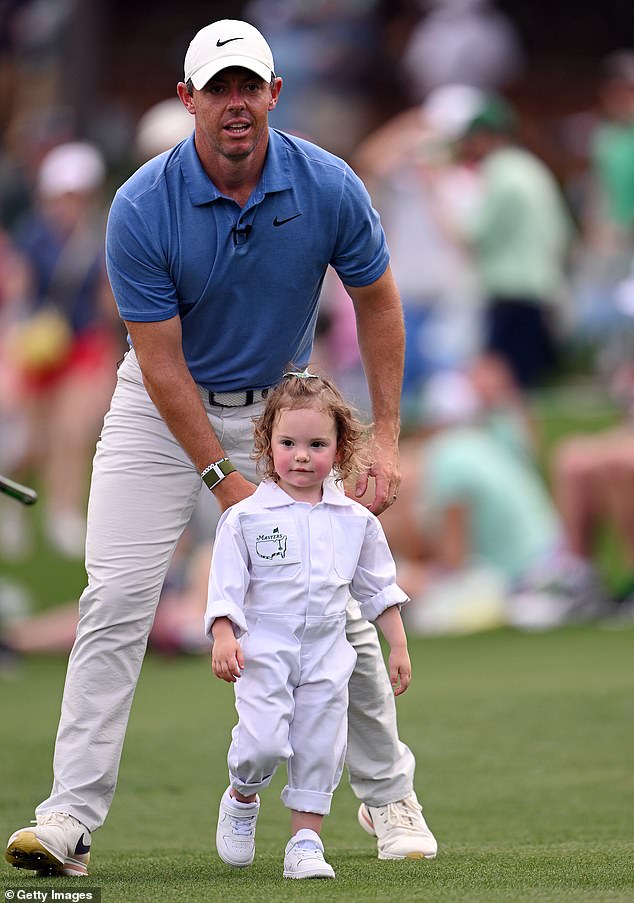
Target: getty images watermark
column 51, row 894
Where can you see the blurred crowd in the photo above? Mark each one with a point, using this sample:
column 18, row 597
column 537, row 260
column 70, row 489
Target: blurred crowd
column 514, row 277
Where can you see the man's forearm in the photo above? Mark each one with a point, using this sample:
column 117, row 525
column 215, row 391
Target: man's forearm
column 381, row 343
column 381, row 337
column 178, row 401
column 172, row 389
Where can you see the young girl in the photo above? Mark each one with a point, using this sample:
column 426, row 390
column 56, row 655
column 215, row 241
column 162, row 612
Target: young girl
column 285, row 561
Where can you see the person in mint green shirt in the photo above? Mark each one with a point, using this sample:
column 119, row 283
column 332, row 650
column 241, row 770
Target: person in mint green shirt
column 495, row 505
column 520, row 235
column 478, row 535
column 601, row 305
column 613, row 144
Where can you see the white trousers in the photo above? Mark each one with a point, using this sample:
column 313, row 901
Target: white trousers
column 143, row 491
column 292, row 708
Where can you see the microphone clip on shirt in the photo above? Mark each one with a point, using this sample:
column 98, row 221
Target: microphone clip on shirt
column 240, row 234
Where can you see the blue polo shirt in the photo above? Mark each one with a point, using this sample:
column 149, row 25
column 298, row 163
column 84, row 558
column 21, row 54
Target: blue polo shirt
column 244, row 281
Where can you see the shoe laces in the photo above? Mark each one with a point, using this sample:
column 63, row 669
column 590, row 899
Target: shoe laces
column 59, row 819
column 404, row 814
column 242, row 825
column 308, row 846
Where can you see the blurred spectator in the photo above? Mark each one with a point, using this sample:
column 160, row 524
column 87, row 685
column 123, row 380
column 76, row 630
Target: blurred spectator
column 520, row 234
column 435, row 275
column 608, row 214
column 478, row 538
column 502, row 409
column 164, row 125
column 466, row 42
column 13, row 433
column 65, row 348
column 593, row 480
column 613, row 155
column 336, row 349
column 178, row 625
column 324, row 51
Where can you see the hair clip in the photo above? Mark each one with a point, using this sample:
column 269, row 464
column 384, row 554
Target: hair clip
column 301, row 374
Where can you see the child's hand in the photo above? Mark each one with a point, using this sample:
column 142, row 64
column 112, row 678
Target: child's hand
column 400, row 670
column 227, row 658
column 399, row 666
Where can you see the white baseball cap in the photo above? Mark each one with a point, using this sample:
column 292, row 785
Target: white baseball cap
column 161, row 127
column 450, row 109
column 72, row 167
column 228, row 42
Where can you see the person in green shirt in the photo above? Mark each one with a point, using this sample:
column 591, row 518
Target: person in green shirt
column 478, row 536
column 519, row 234
column 613, row 145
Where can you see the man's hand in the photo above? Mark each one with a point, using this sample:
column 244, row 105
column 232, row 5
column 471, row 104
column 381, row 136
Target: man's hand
column 381, row 336
column 387, row 477
column 227, row 658
column 232, row 490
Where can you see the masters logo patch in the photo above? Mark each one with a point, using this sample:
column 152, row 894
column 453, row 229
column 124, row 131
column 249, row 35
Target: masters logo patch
column 271, row 545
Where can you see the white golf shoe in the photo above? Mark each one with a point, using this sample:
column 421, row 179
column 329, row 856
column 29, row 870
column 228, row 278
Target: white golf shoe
column 400, row 829
column 55, row 844
column 304, row 857
column 235, row 834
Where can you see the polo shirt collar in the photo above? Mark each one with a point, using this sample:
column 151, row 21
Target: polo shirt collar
column 332, row 495
column 200, row 187
column 271, row 496
column 276, row 175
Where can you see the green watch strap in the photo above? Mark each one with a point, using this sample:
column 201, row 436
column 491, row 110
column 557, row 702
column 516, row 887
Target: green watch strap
column 216, row 472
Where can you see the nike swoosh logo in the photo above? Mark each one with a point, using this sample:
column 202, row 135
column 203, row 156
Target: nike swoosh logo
column 280, row 222
column 81, row 847
column 220, row 43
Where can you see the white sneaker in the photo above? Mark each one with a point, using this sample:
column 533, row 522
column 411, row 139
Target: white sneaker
column 56, row 844
column 400, row 829
column 304, row 857
column 235, row 834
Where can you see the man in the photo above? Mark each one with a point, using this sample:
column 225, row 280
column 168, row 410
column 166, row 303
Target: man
column 216, row 254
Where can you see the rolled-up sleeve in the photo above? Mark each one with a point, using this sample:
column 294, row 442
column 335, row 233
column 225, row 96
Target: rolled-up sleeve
column 374, row 584
column 228, row 579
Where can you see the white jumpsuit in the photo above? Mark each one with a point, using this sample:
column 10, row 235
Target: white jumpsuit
column 282, row 571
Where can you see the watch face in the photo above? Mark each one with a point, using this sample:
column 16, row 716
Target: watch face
column 213, row 476
column 217, row 472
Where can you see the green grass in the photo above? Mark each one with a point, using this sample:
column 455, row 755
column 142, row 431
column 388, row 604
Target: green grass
column 525, row 745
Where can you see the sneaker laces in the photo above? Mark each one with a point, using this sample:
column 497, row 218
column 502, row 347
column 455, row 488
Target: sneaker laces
column 308, row 846
column 242, row 825
column 404, row 814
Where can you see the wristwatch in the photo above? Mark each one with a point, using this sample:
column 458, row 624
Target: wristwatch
column 215, row 473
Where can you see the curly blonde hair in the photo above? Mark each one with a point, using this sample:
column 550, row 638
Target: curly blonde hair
column 302, row 390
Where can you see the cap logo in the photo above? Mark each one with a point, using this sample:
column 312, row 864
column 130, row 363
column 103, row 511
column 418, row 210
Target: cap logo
column 220, row 43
